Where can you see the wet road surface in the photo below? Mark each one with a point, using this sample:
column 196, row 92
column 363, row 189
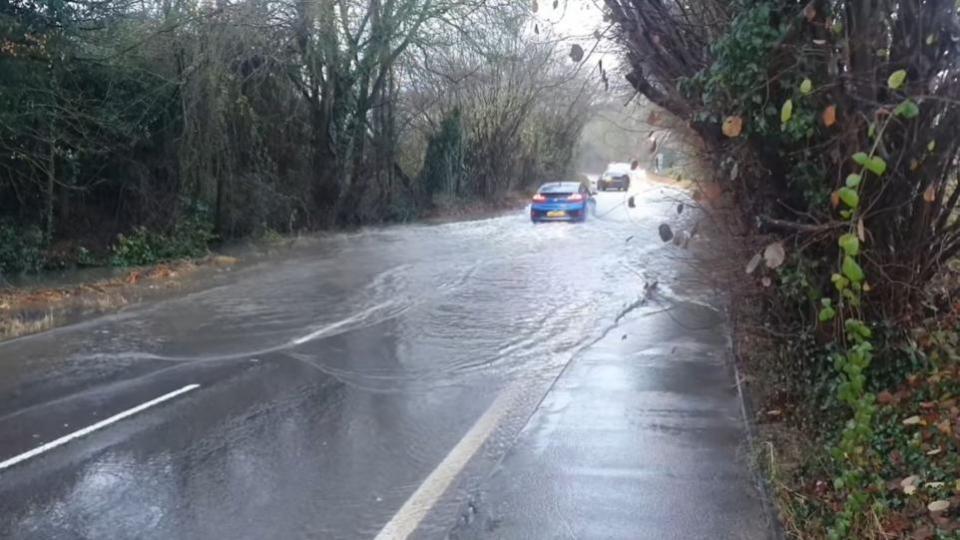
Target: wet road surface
column 368, row 385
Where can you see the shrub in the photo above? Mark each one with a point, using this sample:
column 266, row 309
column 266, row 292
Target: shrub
column 21, row 249
column 189, row 238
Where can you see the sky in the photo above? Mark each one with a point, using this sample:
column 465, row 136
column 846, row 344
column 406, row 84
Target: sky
column 576, row 21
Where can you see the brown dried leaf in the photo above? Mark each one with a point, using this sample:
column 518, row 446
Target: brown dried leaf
column 945, row 427
column 835, row 199
column 886, row 398
column 732, row 126
column 929, row 194
column 938, row 506
column 861, row 231
column 810, row 12
column 913, row 421
column 830, row 115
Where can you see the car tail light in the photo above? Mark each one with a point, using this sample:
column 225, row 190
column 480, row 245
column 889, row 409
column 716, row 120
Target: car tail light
column 576, row 197
column 539, row 198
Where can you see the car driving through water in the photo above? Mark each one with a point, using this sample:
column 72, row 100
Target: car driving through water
column 562, row 201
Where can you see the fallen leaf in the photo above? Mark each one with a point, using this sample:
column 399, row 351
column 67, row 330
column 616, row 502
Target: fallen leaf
column 923, row 533
column 913, row 421
column 754, row 263
column 830, row 115
column 732, row 126
column 938, row 506
column 885, row 398
column 909, row 481
column 930, row 194
column 861, row 232
column 774, row 255
column 909, row 490
column 934, row 451
column 945, row 427
column 835, row 198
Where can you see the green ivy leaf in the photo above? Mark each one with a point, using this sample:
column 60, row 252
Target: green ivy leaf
column 930, row 39
column 931, row 146
column 853, row 180
column 849, row 197
column 806, row 87
column 851, row 269
column 850, row 244
column 897, row 78
column 786, row 112
column 908, row 109
column 876, row 165
column 860, row 158
column 827, row 314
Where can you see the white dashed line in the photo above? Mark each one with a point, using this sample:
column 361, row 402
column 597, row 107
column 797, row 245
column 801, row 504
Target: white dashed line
column 90, row 429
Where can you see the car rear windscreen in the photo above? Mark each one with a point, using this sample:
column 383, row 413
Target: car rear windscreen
column 558, row 189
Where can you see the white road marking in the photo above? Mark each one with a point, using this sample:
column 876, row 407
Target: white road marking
column 339, row 324
column 90, row 429
column 408, row 518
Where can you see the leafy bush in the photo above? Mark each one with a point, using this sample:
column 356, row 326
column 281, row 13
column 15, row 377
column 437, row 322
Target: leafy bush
column 189, row 238
column 21, row 249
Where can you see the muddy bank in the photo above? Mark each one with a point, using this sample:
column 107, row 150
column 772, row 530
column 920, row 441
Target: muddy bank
column 29, row 310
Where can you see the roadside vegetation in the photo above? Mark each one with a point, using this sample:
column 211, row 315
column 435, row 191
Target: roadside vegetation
column 832, row 127
column 135, row 132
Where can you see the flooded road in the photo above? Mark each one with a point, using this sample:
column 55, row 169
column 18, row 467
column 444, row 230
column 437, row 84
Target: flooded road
column 363, row 385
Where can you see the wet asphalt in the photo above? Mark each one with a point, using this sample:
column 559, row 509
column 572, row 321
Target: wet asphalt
column 486, row 379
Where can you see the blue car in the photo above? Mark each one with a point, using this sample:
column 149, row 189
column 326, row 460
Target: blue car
column 562, row 201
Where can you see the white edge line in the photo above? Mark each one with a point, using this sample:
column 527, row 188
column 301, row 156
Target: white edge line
column 90, row 429
column 408, row 518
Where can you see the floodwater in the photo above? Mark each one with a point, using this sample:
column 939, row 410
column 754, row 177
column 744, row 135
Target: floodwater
column 332, row 380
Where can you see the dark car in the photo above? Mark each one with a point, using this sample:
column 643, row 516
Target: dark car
column 562, row 201
column 611, row 180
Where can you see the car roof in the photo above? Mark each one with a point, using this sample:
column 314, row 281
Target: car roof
column 555, row 187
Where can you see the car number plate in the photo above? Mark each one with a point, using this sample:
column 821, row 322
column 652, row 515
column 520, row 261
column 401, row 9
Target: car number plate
column 556, row 213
